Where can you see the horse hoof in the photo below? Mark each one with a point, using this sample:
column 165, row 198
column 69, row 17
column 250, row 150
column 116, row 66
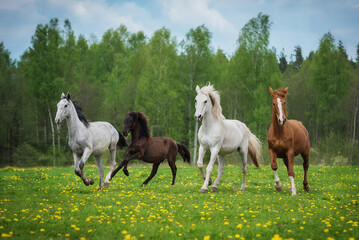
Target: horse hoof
column 306, row 188
column 126, row 173
column 278, row 188
column 99, row 189
column 203, row 190
column 214, row 189
column 106, row 184
column 91, row 181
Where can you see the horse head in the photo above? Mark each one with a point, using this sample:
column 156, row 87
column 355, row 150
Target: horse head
column 63, row 108
column 279, row 104
column 130, row 123
column 203, row 104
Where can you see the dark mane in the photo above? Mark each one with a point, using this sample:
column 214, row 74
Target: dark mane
column 80, row 114
column 143, row 120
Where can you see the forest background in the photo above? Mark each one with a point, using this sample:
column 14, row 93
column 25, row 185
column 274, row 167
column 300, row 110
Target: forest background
column 157, row 75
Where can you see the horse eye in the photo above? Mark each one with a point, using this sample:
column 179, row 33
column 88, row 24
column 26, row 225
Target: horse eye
column 273, row 104
column 205, row 101
column 66, row 106
column 195, row 100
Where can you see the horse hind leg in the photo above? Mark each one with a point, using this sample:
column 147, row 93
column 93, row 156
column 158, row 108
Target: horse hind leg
column 100, row 170
column 153, row 173
column 112, row 167
column 305, row 167
column 172, row 164
column 244, row 152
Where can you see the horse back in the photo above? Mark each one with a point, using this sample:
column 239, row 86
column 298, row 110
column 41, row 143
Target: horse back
column 104, row 135
column 160, row 148
column 301, row 137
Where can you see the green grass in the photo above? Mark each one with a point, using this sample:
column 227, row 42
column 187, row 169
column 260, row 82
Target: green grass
column 43, row 203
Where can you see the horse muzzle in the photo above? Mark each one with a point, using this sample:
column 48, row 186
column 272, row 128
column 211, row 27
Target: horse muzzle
column 58, row 121
column 198, row 118
column 124, row 133
column 282, row 122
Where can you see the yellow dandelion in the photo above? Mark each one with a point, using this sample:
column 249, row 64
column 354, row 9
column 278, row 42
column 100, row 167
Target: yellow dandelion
column 124, row 232
column 207, row 237
column 6, row 235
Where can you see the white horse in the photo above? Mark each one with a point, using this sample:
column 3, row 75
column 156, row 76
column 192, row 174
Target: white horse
column 88, row 138
column 221, row 136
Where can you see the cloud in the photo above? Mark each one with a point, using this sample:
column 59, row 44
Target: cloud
column 101, row 15
column 199, row 12
column 14, row 4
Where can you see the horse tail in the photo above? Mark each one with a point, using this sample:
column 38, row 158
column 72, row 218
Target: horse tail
column 184, row 153
column 254, row 148
column 121, row 141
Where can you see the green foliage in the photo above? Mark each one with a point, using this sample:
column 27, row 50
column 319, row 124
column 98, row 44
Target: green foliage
column 125, row 71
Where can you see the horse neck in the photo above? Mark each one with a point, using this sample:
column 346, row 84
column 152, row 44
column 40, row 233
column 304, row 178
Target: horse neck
column 73, row 122
column 136, row 132
column 278, row 129
column 209, row 119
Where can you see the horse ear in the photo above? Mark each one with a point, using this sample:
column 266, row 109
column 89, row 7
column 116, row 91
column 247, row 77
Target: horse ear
column 63, row 95
column 198, row 90
column 286, row 90
column 271, row 92
column 68, row 96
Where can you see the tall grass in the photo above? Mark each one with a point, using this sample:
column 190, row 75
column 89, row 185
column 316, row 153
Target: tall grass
column 43, row 203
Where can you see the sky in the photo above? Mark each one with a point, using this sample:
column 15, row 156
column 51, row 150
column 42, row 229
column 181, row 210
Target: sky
column 294, row 22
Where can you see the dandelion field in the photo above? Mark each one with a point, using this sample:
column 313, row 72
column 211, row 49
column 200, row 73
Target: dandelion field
column 46, row 203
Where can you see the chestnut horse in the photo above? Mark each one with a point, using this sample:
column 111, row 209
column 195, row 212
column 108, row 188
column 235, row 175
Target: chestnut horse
column 286, row 139
column 149, row 149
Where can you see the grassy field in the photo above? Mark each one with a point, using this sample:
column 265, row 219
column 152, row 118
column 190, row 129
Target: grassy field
column 44, row 203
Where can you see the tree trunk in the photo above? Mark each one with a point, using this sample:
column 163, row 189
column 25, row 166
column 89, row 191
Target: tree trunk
column 356, row 106
column 195, row 144
column 52, row 133
column 37, row 126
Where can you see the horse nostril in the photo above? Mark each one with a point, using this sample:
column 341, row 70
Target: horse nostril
column 199, row 116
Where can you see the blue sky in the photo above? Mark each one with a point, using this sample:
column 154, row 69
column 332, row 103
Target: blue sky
column 294, row 23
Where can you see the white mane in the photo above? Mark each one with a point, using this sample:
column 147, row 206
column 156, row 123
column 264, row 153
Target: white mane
column 215, row 99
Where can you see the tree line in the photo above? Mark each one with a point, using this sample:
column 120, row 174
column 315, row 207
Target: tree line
column 157, row 75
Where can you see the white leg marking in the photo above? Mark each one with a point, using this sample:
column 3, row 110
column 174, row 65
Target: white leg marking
column 292, row 186
column 276, row 179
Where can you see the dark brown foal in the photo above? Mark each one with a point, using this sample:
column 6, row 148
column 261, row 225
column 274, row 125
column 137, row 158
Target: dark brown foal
column 149, row 149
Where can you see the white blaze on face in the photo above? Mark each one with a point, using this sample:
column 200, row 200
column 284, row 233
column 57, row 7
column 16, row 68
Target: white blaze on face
column 280, row 110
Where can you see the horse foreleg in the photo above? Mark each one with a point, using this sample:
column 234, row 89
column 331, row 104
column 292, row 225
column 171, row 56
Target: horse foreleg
column 209, row 169
column 291, row 173
column 201, row 153
column 220, row 173
column 100, row 170
column 128, row 157
column 273, row 156
column 153, row 173
column 87, row 181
